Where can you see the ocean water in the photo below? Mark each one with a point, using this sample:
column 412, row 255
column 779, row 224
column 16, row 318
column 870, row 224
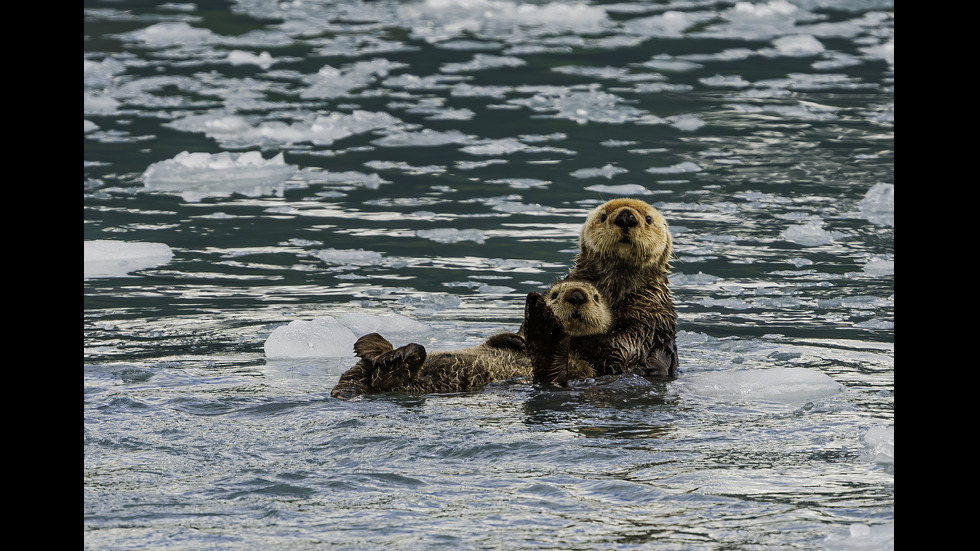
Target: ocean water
column 266, row 181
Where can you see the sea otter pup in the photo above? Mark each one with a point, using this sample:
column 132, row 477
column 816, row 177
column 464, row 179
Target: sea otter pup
column 624, row 249
column 568, row 309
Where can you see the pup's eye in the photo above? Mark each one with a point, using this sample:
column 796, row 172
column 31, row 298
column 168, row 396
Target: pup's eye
column 554, row 295
column 649, row 219
column 603, row 217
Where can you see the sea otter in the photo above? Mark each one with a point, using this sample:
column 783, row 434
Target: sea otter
column 567, row 310
column 624, row 250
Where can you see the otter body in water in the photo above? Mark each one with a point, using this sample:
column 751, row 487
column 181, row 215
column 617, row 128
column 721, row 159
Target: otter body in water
column 624, row 250
column 567, row 310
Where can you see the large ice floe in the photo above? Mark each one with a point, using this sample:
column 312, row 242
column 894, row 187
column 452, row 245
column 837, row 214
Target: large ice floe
column 195, row 176
column 110, row 258
column 789, row 385
column 333, row 337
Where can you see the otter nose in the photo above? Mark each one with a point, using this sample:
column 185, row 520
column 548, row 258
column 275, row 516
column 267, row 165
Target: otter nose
column 626, row 220
column 576, row 297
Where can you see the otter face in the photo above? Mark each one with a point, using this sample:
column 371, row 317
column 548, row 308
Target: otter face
column 579, row 307
column 628, row 230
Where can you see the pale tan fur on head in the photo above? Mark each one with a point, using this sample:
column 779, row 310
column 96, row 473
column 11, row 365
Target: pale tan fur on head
column 579, row 307
column 609, row 232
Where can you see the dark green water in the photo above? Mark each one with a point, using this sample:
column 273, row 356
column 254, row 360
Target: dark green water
column 438, row 159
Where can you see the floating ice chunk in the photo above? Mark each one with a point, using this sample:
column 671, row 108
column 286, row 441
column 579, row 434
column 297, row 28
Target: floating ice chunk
column 885, row 51
column 109, row 258
column 863, row 537
column 481, row 62
column 700, row 278
column 809, row 234
column 443, row 19
column 789, row 385
column 496, row 147
column 879, row 444
column 607, row 172
column 521, row 183
column 97, row 104
column 162, row 35
column 622, row 189
column 329, row 337
column 798, row 45
column 425, row 137
column 431, row 302
column 239, row 57
column 880, row 266
column 330, row 82
column 198, row 175
column 679, row 168
column 731, row 81
column 878, row 205
column 350, row 257
column 671, row 23
column 452, row 235
column 663, row 62
column 688, row 123
column 318, row 338
column 394, row 326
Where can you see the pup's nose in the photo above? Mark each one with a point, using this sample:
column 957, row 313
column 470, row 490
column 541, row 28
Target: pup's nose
column 576, row 297
column 626, row 220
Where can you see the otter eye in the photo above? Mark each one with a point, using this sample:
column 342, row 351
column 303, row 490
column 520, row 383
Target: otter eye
column 554, row 295
column 649, row 219
column 603, row 217
column 596, row 297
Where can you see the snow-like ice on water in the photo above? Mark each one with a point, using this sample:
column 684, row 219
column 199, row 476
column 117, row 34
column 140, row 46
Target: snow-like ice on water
column 110, row 258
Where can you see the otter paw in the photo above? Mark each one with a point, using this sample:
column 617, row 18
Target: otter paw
column 540, row 323
column 371, row 346
column 511, row 341
column 409, row 356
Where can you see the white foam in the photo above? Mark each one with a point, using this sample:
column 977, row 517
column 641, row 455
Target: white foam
column 789, row 385
column 195, row 176
column 878, row 205
column 330, row 337
column 109, row 258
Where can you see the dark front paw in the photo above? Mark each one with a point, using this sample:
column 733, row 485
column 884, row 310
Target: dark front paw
column 540, row 324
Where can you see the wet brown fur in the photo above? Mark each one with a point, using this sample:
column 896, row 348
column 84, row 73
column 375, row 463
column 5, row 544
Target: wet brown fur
column 624, row 250
column 541, row 351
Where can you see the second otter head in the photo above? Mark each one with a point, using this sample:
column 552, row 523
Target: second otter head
column 580, row 308
column 628, row 231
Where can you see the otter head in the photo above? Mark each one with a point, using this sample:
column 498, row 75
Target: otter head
column 579, row 307
column 627, row 230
